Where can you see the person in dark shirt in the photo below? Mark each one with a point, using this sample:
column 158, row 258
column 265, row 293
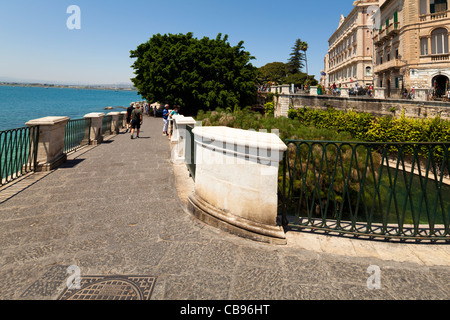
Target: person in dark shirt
column 136, row 121
column 129, row 111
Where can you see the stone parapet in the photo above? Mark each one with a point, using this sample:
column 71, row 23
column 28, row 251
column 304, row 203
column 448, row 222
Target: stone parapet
column 375, row 106
column 50, row 149
column 115, row 128
column 344, row 92
column 236, row 181
column 180, row 138
column 96, row 136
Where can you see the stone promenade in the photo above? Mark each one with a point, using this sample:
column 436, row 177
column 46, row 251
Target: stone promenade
column 116, row 212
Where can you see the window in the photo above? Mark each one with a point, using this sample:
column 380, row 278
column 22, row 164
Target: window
column 368, row 71
column 439, row 41
column 438, row 6
column 424, row 46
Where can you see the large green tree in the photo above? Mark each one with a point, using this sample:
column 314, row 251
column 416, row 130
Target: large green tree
column 297, row 57
column 194, row 73
column 278, row 73
column 273, row 72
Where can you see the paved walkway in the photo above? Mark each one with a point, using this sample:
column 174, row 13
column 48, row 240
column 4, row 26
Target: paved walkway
column 115, row 209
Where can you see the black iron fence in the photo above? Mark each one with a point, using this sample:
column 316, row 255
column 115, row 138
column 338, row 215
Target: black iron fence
column 18, row 152
column 77, row 134
column 106, row 125
column 190, row 150
column 390, row 190
column 121, row 118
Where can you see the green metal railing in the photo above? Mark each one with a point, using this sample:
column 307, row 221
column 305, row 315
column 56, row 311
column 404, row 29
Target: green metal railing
column 121, row 116
column 77, row 134
column 389, row 190
column 18, row 152
column 106, row 125
column 190, row 150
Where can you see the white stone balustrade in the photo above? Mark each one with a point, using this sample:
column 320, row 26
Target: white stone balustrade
column 421, row 94
column 379, row 93
column 50, row 149
column 345, row 92
column 114, row 122
column 236, row 181
column 180, row 137
column 96, row 136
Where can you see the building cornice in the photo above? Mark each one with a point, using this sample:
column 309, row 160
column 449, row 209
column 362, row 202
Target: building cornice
column 356, row 6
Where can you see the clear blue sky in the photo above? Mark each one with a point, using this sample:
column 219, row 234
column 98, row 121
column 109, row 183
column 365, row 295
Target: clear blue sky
column 35, row 43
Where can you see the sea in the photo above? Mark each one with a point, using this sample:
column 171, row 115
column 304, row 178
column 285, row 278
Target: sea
column 20, row 104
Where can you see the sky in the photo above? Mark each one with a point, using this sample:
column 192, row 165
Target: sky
column 38, row 44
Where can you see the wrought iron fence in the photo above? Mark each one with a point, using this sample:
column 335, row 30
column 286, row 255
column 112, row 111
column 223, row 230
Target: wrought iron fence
column 121, row 116
column 18, row 152
column 190, row 150
column 106, row 125
column 389, row 190
column 77, row 134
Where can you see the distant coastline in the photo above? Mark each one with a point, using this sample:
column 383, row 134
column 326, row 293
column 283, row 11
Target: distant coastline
column 64, row 86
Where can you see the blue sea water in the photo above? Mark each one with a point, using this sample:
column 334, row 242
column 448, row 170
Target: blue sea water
column 20, row 104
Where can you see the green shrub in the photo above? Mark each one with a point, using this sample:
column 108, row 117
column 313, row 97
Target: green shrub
column 269, row 108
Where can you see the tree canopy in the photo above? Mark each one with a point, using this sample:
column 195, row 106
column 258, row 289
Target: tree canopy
column 273, row 72
column 290, row 72
column 278, row 73
column 194, row 73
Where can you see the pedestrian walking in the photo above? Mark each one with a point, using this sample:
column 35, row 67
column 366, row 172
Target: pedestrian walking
column 174, row 112
column 129, row 111
column 136, row 121
column 166, row 120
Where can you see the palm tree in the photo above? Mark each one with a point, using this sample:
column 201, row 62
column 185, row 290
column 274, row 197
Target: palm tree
column 304, row 48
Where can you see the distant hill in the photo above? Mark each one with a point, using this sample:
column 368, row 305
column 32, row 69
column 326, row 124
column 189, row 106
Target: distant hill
column 83, row 86
column 31, row 82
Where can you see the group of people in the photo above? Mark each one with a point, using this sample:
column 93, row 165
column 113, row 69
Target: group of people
column 135, row 118
column 357, row 89
column 167, row 117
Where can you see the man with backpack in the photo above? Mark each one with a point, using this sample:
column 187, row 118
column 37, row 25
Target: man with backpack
column 136, row 121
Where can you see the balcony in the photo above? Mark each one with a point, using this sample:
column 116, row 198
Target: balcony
column 386, row 33
column 435, row 58
column 440, row 57
column 378, row 37
column 393, row 29
column 392, row 64
column 434, row 16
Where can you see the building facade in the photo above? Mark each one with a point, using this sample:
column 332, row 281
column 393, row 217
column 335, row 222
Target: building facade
column 349, row 58
column 411, row 49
